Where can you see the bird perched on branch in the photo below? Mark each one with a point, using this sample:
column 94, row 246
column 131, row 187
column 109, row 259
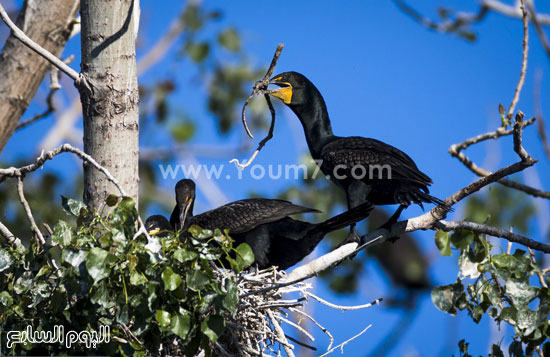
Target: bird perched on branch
column 368, row 170
column 264, row 224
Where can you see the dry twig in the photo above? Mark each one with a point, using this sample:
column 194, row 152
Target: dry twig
column 260, row 87
column 341, row 346
column 525, row 45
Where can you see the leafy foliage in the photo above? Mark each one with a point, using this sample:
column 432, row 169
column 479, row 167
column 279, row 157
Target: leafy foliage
column 151, row 293
column 501, row 288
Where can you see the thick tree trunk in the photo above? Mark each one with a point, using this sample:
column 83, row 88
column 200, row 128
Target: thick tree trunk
column 48, row 23
column 110, row 96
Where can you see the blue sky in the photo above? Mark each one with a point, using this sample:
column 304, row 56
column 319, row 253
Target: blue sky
column 382, row 76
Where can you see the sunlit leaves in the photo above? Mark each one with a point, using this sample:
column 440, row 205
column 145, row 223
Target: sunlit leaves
column 171, row 295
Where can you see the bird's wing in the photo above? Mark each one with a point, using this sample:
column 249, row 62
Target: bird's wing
column 356, row 150
column 244, row 215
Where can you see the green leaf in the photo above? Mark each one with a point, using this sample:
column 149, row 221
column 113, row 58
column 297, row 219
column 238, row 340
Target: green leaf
column 183, row 131
column 527, row 320
column 98, row 263
column 462, row 239
column 5, row 298
column 5, row 260
column 504, row 261
column 245, row 253
column 468, row 268
column 137, row 278
column 72, row 257
column 171, row 280
column 127, row 203
column 163, row 318
column 509, row 314
column 112, row 200
column 180, row 325
column 197, row 280
column 520, row 292
column 183, row 255
column 23, row 283
column 231, row 298
column 445, row 297
column 442, row 242
column 192, row 17
column 102, row 296
column 213, row 327
column 62, row 233
column 71, row 206
column 197, row 51
column 195, row 230
column 45, row 269
column 230, row 40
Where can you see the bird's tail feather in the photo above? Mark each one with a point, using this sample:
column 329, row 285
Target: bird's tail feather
column 346, row 218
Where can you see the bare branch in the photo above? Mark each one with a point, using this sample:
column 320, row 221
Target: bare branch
column 513, row 11
column 20, row 35
column 455, row 151
column 6, row 233
column 48, row 111
column 445, row 26
column 525, row 45
column 38, row 235
column 280, row 334
column 494, row 232
column 341, row 346
column 538, row 27
column 340, row 307
column 538, row 113
column 45, row 156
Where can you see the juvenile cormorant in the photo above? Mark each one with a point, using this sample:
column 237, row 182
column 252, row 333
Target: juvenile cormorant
column 158, row 225
column 275, row 238
column 368, row 170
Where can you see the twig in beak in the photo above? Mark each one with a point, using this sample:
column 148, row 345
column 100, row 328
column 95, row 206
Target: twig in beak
column 261, row 88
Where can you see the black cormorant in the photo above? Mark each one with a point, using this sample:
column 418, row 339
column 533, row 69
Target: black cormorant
column 275, row 238
column 158, row 225
column 368, row 170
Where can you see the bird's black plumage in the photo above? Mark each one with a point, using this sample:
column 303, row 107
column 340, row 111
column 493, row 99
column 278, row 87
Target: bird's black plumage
column 158, row 225
column 264, row 224
column 368, row 170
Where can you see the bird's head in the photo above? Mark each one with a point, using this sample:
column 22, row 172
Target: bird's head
column 185, row 197
column 157, row 225
column 295, row 88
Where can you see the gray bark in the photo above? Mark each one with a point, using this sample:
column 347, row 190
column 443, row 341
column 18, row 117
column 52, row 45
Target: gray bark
column 47, row 22
column 110, row 96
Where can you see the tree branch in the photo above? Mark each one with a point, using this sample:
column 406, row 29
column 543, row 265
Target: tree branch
column 538, row 27
column 21, row 36
column 525, row 45
column 38, row 235
column 456, row 151
column 45, row 156
column 494, row 232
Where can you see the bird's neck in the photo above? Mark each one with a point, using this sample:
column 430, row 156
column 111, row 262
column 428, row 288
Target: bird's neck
column 316, row 123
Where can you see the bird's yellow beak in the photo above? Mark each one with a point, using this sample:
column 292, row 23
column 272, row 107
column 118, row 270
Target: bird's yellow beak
column 284, row 93
column 153, row 232
column 185, row 210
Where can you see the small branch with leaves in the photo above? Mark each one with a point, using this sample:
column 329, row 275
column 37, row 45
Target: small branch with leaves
column 20, row 172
